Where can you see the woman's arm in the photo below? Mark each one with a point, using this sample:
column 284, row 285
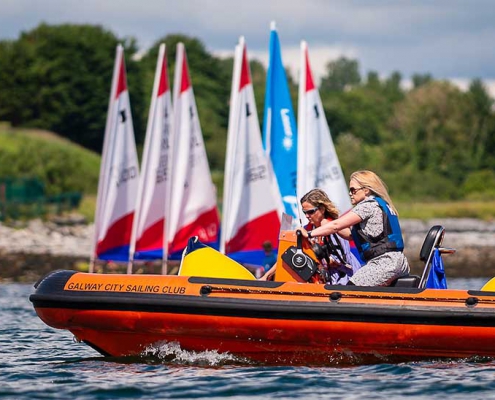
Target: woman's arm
column 269, row 274
column 345, row 233
column 335, row 226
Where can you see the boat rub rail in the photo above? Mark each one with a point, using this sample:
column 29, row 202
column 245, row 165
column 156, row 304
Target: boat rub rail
column 70, row 281
column 336, row 296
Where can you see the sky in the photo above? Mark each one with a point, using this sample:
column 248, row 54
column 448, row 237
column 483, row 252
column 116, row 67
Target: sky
column 449, row 39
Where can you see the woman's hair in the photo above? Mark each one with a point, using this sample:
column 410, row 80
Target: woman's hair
column 317, row 198
column 372, row 181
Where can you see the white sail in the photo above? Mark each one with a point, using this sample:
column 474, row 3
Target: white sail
column 119, row 173
column 230, row 150
column 193, row 209
column 317, row 163
column 251, row 204
column 148, row 236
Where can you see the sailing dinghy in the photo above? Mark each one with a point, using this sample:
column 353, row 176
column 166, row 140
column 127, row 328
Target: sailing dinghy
column 251, row 201
column 119, row 174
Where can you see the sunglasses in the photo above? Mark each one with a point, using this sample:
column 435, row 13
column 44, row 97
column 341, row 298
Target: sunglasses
column 311, row 211
column 353, row 190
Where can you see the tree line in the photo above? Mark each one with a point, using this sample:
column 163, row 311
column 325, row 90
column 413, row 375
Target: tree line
column 432, row 141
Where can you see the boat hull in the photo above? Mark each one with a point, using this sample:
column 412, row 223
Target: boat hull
column 269, row 322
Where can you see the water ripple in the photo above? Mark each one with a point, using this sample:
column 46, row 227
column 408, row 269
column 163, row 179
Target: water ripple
column 39, row 362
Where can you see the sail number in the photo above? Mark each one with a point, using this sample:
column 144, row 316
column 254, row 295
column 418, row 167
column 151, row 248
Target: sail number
column 127, row 174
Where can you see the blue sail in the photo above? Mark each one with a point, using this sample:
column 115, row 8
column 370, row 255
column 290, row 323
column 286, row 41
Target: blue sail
column 279, row 127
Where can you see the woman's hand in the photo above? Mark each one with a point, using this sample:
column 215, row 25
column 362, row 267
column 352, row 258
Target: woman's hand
column 303, row 231
column 268, row 276
column 333, row 263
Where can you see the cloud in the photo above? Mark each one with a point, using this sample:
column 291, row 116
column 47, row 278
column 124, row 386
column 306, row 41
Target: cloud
column 446, row 38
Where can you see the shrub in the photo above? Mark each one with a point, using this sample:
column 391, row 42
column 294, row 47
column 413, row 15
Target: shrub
column 479, row 185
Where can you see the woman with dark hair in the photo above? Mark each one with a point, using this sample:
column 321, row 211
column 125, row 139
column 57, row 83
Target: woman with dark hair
column 375, row 229
column 319, row 210
column 342, row 264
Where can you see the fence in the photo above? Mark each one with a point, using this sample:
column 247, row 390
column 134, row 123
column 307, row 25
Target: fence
column 25, row 198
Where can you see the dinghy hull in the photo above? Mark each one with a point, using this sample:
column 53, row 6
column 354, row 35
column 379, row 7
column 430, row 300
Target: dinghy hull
column 269, row 322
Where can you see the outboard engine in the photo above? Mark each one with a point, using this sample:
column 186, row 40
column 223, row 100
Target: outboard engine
column 302, row 264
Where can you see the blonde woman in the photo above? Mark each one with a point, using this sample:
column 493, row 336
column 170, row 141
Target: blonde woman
column 375, row 229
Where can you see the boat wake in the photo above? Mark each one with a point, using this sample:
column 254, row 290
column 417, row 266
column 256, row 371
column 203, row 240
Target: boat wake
column 171, row 352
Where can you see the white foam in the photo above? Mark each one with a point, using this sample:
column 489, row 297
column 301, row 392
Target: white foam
column 171, row 351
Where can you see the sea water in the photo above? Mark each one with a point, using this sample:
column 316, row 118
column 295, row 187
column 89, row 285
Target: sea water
column 39, row 362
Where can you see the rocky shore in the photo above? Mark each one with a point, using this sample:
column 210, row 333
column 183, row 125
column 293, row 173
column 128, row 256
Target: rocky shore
column 29, row 251
column 474, row 241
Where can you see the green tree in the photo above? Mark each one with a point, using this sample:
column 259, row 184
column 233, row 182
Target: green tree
column 421, row 79
column 483, row 127
column 59, row 78
column 17, row 82
column 373, row 80
column 434, row 123
column 392, row 88
column 364, row 110
column 361, row 111
column 480, row 185
column 341, row 74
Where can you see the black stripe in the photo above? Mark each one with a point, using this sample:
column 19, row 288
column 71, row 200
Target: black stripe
column 50, row 294
column 235, row 282
column 270, row 309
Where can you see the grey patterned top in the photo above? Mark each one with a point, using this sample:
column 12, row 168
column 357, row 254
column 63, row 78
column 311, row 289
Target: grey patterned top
column 372, row 216
column 381, row 270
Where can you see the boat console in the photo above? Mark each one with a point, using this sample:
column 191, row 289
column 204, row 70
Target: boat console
column 297, row 261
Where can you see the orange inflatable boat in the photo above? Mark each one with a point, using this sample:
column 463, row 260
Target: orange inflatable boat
column 279, row 322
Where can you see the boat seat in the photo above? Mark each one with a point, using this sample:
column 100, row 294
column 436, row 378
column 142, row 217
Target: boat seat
column 433, row 240
column 410, row 281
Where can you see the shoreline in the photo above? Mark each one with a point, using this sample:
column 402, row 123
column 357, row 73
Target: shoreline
column 474, row 241
column 29, row 252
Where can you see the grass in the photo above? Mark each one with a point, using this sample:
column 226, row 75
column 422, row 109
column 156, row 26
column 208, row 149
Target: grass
column 484, row 210
column 64, row 168
column 12, row 138
column 87, row 207
column 62, row 165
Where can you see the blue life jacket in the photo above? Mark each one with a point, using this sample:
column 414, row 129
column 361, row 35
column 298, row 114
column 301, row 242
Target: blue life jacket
column 389, row 240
